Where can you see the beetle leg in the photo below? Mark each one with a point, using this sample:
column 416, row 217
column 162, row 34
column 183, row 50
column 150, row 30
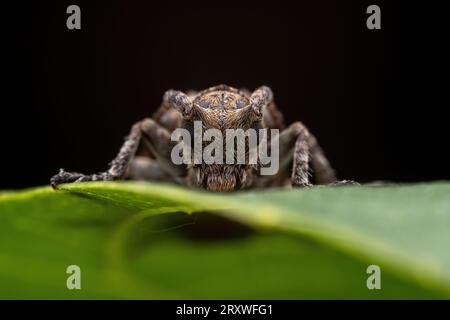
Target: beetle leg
column 147, row 169
column 323, row 171
column 168, row 117
column 158, row 140
column 118, row 167
column 272, row 117
column 297, row 135
column 155, row 137
column 306, row 148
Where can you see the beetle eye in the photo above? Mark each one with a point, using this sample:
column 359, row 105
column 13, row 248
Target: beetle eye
column 240, row 104
column 204, row 104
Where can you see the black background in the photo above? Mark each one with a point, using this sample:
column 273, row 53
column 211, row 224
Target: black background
column 370, row 96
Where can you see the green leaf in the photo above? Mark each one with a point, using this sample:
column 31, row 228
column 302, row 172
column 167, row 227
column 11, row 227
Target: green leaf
column 135, row 240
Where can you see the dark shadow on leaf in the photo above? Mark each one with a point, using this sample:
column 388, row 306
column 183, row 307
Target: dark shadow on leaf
column 209, row 226
column 202, row 228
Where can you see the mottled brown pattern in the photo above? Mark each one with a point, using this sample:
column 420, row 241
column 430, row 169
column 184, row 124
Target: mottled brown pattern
column 220, row 107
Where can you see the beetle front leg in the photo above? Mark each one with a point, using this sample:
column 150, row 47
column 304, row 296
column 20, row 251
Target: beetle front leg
column 323, row 171
column 305, row 149
column 297, row 136
column 118, row 167
column 147, row 169
column 158, row 140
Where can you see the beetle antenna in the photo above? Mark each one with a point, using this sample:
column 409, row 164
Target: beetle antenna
column 179, row 101
column 260, row 98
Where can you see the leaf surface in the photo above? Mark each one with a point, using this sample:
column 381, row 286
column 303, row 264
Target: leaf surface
column 142, row 240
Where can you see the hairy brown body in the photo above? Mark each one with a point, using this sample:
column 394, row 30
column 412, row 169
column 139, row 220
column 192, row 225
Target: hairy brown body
column 146, row 152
